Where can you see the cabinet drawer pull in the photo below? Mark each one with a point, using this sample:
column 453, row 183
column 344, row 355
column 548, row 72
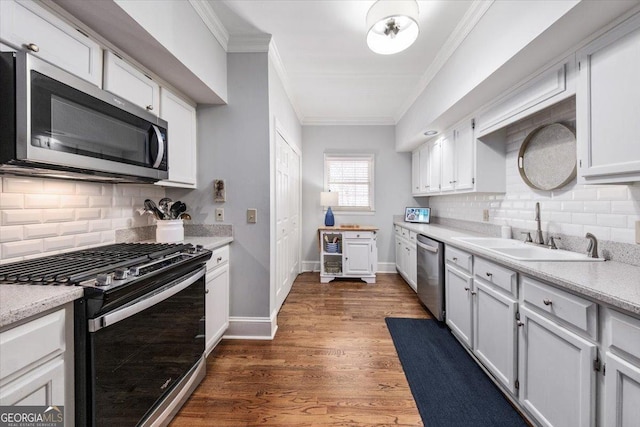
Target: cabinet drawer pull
column 219, row 259
column 33, row 47
column 455, row 259
column 489, row 274
column 150, row 107
column 473, row 293
column 466, row 289
column 519, row 323
column 206, row 291
column 547, row 301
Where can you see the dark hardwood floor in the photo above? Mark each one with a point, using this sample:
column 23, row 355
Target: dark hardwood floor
column 332, row 362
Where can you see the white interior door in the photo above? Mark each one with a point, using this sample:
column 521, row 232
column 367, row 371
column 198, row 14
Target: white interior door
column 287, row 217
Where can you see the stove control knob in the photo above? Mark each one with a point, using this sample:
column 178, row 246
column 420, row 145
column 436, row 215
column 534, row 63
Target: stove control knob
column 103, row 279
column 199, row 248
column 134, row 271
column 120, row 273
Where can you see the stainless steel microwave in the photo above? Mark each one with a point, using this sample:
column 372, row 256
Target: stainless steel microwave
column 55, row 124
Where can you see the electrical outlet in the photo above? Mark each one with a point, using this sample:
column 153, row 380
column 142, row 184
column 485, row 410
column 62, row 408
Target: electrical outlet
column 219, row 214
column 485, row 214
column 252, row 216
column 638, row 232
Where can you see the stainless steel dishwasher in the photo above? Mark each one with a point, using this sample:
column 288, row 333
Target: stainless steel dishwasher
column 431, row 275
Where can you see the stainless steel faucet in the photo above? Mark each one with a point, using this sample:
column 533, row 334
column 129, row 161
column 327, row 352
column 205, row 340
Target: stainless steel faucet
column 592, row 249
column 538, row 236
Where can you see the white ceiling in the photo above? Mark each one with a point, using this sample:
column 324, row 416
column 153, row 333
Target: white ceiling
column 332, row 77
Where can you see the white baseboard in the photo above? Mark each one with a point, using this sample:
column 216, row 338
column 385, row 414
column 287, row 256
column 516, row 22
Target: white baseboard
column 314, row 266
column 252, row 328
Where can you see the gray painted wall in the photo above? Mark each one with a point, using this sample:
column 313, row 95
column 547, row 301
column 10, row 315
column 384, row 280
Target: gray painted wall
column 233, row 144
column 392, row 182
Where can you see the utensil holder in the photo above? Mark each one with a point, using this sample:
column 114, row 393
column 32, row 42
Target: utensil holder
column 169, row 231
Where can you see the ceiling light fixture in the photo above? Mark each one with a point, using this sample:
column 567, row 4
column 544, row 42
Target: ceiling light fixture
column 392, row 25
column 430, row 132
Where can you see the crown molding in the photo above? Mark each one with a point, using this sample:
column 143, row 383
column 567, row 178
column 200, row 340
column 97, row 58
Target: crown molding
column 468, row 22
column 205, row 11
column 249, row 43
column 348, row 121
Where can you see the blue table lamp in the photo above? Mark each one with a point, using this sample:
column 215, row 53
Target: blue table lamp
column 328, row 199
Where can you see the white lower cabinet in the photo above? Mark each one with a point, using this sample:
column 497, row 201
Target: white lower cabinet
column 217, row 298
column 459, row 303
column 348, row 254
column 407, row 255
column 557, row 379
column 621, row 347
column 36, row 362
column 494, row 333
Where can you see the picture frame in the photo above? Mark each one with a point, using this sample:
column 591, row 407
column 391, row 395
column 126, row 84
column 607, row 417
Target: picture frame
column 418, row 215
column 219, row 191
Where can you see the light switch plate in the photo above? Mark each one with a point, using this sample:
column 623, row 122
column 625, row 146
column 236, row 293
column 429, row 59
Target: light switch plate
column 485, row 214
column 219, row 214
column 638, row 232
column 252, row 216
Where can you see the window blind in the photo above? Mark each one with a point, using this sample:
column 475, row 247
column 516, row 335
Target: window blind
column 352, row 178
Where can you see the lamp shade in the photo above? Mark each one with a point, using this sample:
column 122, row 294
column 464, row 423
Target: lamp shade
column 392, row 26
column 328, row 198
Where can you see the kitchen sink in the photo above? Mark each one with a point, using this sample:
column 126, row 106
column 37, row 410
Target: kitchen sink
column 521, row 251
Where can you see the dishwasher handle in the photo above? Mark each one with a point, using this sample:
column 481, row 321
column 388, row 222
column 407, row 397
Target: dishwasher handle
column 428, row 248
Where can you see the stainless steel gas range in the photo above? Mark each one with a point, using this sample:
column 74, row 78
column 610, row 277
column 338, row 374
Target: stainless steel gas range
column 139, row 329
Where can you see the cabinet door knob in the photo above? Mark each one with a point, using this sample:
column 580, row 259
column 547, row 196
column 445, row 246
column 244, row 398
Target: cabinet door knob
column 455, row 259
column 466, row 289
column 150, row 107
column 489, row 274
column 33, row 47
column 474, row 293
column 519, row 323
column 219, row 259
column 206, row 291
column 547, row 301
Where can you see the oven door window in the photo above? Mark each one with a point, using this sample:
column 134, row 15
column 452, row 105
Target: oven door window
column 67, row 120
column 139, row 359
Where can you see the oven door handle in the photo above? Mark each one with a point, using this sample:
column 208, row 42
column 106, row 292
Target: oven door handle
column 141, row 305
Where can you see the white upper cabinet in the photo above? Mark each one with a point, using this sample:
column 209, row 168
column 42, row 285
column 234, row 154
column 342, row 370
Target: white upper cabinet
column 181, row 119
column 608, row 106
column 122, row 79
column 459, row 163
column 545, row 89
column 28, row 26
column 415, row 172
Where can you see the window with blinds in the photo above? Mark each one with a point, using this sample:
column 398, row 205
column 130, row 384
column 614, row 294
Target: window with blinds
column 352, row 178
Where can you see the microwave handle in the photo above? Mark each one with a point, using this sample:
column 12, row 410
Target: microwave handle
column 160, row 140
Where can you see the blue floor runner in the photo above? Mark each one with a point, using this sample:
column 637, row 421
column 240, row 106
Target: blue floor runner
column 449, row 388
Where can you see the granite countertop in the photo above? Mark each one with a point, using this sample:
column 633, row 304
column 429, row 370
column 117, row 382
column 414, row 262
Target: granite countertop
column 611, row 283
column 18, row 302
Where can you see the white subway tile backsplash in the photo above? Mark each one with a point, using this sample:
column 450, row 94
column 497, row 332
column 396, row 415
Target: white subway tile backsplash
column 88, row 239
column 89, row 188
column 108, row 189
column 108, row 237
column 21, row 216
column 598, row 206
column 583, row 218
column 34, row 201
column 89, row 213
column 573, row 206
column 58, row 243
column 623, row 235
column 58, row 186
column 22, row 185
column 11, row 234
column 100, row 225
column 37, row 231
column 615, row 192
column 100, row 201
column 21, row 248
column 77, row 227
column 73, row 201
column 628, row 207
column 58, row 215
column 11, row 201
column 612, row 220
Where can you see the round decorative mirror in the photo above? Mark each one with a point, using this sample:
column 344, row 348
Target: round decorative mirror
column 547, row 158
